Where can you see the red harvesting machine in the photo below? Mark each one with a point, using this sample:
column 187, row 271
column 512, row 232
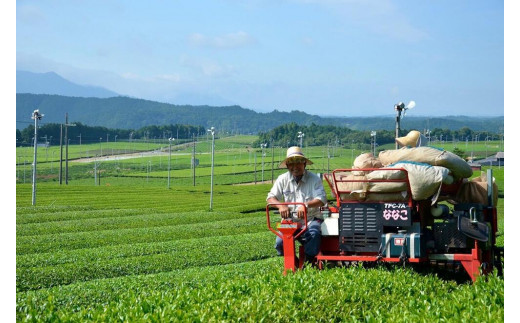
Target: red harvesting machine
column 373, row 227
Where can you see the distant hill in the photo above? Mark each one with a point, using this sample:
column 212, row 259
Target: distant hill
column 129, row 113
column 52, row 83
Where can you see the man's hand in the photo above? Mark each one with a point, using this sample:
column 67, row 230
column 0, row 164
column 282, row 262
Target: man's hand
column 284, row 210
column 301, row 211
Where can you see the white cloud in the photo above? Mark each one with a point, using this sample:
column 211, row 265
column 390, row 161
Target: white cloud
column 130, row 76
column 207, row 67
column 232, row 40
column 169, row 77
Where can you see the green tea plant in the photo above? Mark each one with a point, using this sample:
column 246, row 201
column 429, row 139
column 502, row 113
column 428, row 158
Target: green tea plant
column 133, row 250
column 256, row 291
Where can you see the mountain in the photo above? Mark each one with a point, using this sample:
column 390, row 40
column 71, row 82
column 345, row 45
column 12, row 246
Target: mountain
column 129, row 113
column 52, row 83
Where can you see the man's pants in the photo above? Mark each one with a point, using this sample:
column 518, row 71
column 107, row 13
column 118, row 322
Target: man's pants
column 311, row 239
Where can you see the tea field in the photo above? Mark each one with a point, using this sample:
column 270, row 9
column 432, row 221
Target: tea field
column 128, row 249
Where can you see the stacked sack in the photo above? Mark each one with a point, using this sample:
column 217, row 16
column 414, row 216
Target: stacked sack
column 362, row 161
column 358, row 188
column 425, row 180
column 428, row 168
column 475, row 191
column 428, row 155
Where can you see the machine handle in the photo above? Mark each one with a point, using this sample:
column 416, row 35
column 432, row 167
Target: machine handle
column 287, row 203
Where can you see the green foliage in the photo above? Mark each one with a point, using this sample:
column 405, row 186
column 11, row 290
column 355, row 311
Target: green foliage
column 322, row 135
column 459, row 152
column 136, row 251
column 256, row 291
column 83, row 134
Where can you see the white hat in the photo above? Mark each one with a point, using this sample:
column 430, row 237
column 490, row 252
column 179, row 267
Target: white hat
column 294, row 153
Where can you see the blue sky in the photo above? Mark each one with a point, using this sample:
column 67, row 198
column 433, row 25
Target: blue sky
column 324, row 57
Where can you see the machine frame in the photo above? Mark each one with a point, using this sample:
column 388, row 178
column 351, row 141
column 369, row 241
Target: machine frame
column 477, row 257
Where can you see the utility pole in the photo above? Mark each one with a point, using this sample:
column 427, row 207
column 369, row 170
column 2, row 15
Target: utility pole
column 328, row 157
column 66, row 150
column 373, row 141
column 400, row 108
column 301, row 135
column 61, row 152
column 212, row 131
column 194, row 161
column 67, row 147
column 170, row 160
column 264, row 145
column 36, row 116
column 272, row 162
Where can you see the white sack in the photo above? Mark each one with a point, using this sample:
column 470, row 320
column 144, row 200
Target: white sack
column 429, row 155
column 425, row 180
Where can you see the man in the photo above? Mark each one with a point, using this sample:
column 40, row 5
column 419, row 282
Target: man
column 300, row 185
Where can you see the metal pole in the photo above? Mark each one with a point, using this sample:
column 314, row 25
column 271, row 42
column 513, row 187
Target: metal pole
column 399, row 108
column 61, row 153
column 36, row 116
column 263, row 146
column 328, row 158
column 301, row 135
column 193, row 158
column 212, row 165
column 66, row 149
column 375, row 143
column 397, row 127
column 272, row 162
column 169, row 160
column 34, row 160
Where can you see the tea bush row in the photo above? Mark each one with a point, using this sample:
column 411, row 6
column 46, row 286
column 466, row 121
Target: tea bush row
column 144, row 259
column 258, row 292
column 178, row 199
column 102, row 220
column 91, row 239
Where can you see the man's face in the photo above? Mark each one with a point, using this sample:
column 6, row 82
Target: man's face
column 296, row 167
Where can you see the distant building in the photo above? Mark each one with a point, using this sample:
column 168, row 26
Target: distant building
column 496, row 160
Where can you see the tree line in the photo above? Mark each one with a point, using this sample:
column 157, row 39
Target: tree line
column 80, row 133
column 282, row 136
column 318, row 135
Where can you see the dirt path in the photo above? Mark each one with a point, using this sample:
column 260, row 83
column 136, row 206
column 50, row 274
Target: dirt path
column 124, row 156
